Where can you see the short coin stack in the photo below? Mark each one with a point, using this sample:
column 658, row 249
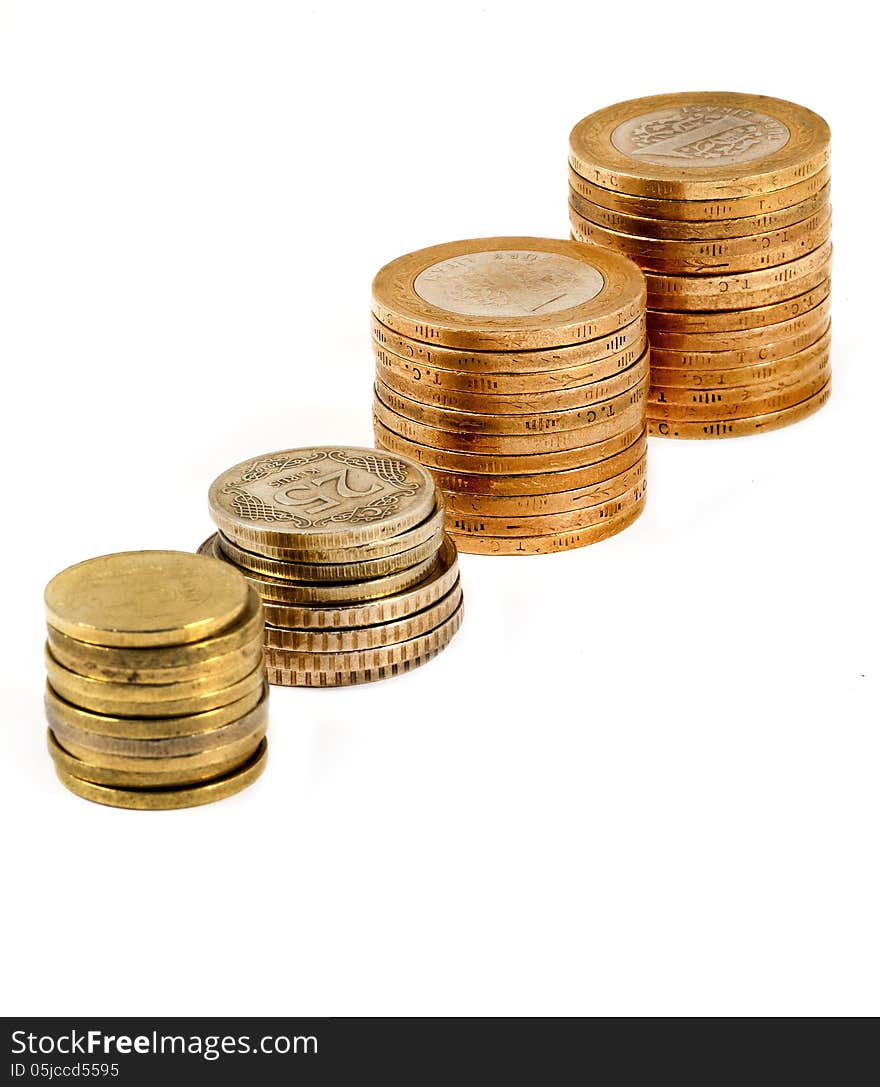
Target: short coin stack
column 722, row 199
column 515, row 369
column 156, row 695
column 346, row 548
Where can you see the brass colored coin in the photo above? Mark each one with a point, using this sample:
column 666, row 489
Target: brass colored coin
column 282, row 660
column 711, row 210
column 144, row 598
column 435, row 392
column 740, row 426
column 463, row 505
column 61, row 713
column 325, row 571
column 691, row 230
column 71, row 737
column 508, row 294
column 309, row 501
column 167, row 799
column 698, row 146
column 530, row 464
column 354, row 639
column 384, row 610
column 546, row 545
column 141, row 700
column 746, row 338
column 721, row 360
column 761, row 373
column 748, row 319
column 285, row 677
column 603, row 353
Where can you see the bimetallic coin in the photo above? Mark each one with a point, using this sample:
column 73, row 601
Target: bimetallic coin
column 754, row 318
column 166, row 799
column 732, row 360
column 309, row 501
column 145, row 598
column 761, row 373
column 739, row 427
column 745, row 338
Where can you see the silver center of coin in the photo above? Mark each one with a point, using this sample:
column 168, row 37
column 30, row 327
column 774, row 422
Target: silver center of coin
column 700, row 135
column 509, row 283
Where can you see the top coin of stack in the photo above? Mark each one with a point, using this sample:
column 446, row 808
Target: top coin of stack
column 516, row 370
column 346, row 548
column 157, row 695
column 723, row 200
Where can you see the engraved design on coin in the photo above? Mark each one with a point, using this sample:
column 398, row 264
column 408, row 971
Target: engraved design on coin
column 509, row 283
column 700, row 135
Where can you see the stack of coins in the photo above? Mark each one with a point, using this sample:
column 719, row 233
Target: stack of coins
column 346, row 548
column 722, row 199
column 516, row 370
column 156, row 694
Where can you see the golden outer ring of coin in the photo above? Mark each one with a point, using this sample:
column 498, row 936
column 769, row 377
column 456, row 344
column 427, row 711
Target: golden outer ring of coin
column 709, row 411
column 543, row 482
column 547, row 545
column 530, row 464
column 364, row 659
column 357, row 639
column 760, row 374
column 384, row 610
column 397, row 306
column 60, row 710
column 692, row 230
column 720, row 257
column 745, row 337
column 325, row 571
column 805, row 153
column 438, row 389
column 742, row 426
column 603, row 352
column 70, row 736
column 745, row 319
column 168, row 799
column 464, row 504
column 734, row 360
column 647, row 207
column 141, row 701
column 552, row 524
column 126, row 599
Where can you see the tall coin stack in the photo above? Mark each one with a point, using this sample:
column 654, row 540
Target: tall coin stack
column 515, row 369
column 346, row 548
column 156, row 695
column 722, row 199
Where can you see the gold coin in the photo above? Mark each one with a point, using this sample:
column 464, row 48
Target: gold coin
column 60, row 712
column 761, row 373
column 284, row 677
column 310, row 501
column 144, row 598
column 325, row 571
column 166, row 799
column 711, row 210
column 237, row 643
column 690, row 229
column 384, row 610
column 607, row 354
column 739, row 427
column 140, row 700
column 281, row 661
column 733, row 360
column 546, row 545
column 469, row 505
column 745, row 338
column 437, row 389
column 529, row 464
column 353, row 639
column 746, row 319
column 508, row 294
column 698, row 146
column 71, row 736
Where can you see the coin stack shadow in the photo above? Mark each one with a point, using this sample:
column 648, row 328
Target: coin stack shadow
column 723, row 201
column 346, row 548
column 515, row 369
column 147, row 710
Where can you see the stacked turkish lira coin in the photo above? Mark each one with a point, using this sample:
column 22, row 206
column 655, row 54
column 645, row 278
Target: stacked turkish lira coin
column 723, row 200
column 157, row 694
column 346, row 548
column 516, row 370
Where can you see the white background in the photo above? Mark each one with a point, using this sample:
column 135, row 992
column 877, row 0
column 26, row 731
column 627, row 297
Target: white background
column 644, row 778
